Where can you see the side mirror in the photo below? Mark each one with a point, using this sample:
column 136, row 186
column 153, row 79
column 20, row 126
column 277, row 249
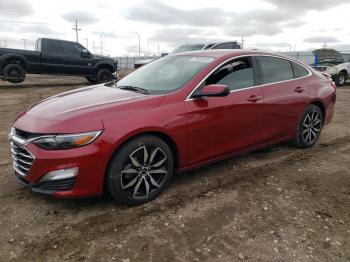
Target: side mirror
column 212, row 90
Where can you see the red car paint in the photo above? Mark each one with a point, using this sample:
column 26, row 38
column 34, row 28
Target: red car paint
column 202, row 131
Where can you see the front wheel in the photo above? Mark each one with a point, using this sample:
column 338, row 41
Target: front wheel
column 140, row 170
column 309, row 128
column 91, row 80
column 104, row 76
column 340, row 79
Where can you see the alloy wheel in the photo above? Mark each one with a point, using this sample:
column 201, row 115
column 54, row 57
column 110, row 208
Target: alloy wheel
column 312, row 125
column 144, row 172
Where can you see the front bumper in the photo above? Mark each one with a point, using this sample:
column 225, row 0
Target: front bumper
column 91, row 160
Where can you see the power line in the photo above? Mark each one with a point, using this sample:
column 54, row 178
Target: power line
column 76, row 29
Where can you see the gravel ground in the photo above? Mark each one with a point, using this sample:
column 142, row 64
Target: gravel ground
column 276, row 204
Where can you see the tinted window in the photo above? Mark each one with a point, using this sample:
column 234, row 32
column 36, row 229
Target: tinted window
column 223, row 46
column 55, row 47
column 275, row 69
column 236, row 74
column 299, row 71
column 72, row 49
column 236, row 46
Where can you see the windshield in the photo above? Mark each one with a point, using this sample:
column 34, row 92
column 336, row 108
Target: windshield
column 165, row 75
column 186, row 48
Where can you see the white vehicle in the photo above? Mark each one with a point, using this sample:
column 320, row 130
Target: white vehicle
column 332, row 62
column 195, row 47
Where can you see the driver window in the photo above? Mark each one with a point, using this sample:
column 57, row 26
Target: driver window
column 236, row 74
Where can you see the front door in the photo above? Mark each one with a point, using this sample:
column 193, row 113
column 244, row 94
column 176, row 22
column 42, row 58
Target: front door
column 222, row 125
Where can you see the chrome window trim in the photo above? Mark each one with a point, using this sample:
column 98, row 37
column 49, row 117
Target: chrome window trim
column 189, row 98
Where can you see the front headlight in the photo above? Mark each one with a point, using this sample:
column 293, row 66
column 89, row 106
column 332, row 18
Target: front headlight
column 59, row 142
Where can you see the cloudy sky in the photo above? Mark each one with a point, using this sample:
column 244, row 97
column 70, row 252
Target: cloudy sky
column 279, row 25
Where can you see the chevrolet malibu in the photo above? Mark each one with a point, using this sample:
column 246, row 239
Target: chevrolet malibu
column 178, row 113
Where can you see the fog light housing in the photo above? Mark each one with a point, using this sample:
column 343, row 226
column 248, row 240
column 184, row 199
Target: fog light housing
column 60, row 174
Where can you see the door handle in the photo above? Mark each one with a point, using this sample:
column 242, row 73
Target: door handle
column 299, row 89
column 254, row 98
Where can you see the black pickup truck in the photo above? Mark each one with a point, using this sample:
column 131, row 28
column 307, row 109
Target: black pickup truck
column 57, row 57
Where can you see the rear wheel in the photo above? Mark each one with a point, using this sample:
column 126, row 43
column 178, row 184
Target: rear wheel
column 103, row 76
column 140, row 170
column 14, row 73
column 310, row 126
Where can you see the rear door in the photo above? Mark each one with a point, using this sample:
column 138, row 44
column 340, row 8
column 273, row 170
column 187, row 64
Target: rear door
column 221, row 125
column 53, row 58
column 285, row 95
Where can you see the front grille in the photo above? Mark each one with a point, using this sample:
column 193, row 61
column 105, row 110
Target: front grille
column 58, row 185
column 22, row 159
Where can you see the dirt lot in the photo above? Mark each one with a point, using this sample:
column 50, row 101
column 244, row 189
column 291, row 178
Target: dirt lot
column 277, row 204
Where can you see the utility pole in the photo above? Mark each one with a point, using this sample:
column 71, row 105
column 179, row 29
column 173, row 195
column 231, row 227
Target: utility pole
column 138, row 35
column 24, row 43
column 158, row 50
column 87, row 43
column 93, row 47
column 101, row 44
column 76, row 29
column 242, row 41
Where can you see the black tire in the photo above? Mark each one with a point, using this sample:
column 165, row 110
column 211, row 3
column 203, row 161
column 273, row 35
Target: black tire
column 91, row 80
column 309, row 127
column 340, row 79
column 14, row 73
column 135, row 177
column 104, row 76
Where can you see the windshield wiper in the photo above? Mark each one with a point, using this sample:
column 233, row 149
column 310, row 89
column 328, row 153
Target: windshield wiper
column 135, row 88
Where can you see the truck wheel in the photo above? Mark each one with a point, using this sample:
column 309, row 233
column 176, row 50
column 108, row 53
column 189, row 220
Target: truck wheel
column 340, row 79
column 14, row 73
column 103, row 76
column 91, row 80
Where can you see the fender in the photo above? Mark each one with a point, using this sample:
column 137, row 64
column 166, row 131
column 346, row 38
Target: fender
column 105, row 63
column 11, row 55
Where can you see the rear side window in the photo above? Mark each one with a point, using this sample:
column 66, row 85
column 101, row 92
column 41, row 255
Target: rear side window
column 236, row 74
column 275, row 69
column 54, row 47
column 299, row 71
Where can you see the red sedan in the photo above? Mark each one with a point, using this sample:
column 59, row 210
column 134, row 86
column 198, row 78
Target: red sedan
column 175, row 114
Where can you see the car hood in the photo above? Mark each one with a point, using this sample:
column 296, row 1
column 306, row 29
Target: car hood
column 81, row 109
column 330, row 56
